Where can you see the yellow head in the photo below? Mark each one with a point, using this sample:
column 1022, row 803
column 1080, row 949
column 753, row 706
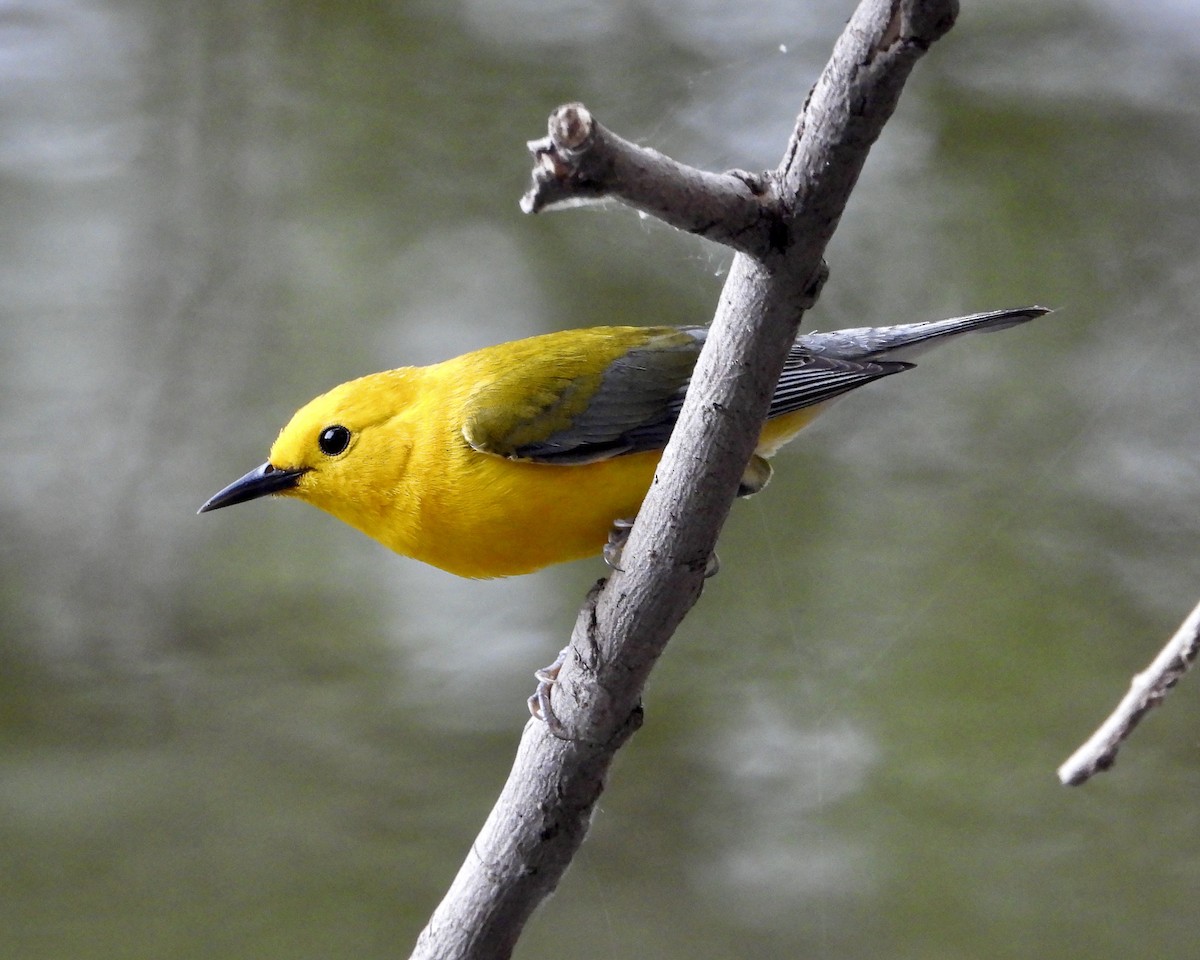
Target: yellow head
column 346, row 452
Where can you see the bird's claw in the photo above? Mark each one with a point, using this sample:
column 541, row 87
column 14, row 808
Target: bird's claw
column 540, row 707
column 618, row 535
column 539, row 703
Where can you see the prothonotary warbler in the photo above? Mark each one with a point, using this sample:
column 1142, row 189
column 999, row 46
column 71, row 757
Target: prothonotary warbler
column 510, row 458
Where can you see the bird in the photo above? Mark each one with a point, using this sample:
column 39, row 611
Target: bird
column 517, row 456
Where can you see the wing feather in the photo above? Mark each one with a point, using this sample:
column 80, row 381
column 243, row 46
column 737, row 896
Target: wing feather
column 553, row 409
column 549, row 406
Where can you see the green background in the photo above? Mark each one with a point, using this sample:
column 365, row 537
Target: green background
column 258, row 734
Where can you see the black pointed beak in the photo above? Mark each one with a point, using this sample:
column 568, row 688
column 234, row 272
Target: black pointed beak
column 259, row 482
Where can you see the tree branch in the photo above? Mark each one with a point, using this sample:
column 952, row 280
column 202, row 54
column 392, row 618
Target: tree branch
column 1146, row 691
column 581, row 161
column 780, row 223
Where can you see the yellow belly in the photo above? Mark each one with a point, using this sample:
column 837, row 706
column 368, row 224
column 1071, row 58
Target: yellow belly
column 510, row 518
column 501, row 518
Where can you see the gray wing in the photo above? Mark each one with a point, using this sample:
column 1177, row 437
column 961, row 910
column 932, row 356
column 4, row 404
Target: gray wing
column 637, row 403
column 627, row 416
column 808, row 380
column 634, row 408
column 573, row 421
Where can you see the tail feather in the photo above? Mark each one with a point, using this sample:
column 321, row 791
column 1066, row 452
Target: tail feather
column 908, row 339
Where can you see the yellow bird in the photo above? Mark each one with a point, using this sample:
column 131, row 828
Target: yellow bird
column 517, row 456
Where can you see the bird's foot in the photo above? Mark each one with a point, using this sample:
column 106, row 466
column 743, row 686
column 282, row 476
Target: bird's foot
column 618, row 536
column 539, row 703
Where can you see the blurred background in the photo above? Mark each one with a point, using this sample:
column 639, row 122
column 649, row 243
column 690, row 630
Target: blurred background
column 259, row 734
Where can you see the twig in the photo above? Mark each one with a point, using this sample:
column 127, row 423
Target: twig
column 1146, row 691
column 580, row 160
column 785, row 219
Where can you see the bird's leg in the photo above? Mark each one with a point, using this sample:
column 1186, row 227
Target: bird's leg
column 617, row 538
column 619, row 534
column 539, row 703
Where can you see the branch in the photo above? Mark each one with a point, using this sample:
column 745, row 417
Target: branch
column 581, row 160
column 780, row 223
column 1146, row 691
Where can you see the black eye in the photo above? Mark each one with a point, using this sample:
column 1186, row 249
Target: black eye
column 333, row 440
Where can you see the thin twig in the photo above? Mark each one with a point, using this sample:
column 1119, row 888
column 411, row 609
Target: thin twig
column 1146, row 691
